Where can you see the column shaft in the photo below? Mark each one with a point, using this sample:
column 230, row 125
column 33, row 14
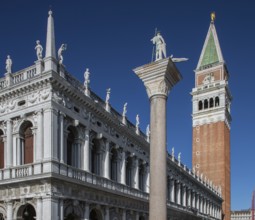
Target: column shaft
column 158, row 188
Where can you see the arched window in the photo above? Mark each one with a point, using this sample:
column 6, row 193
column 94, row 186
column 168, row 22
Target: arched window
column 205, row 104
column 211, row 103
column 129, row 172
column 141, row 177
column 217, row 101
column 26, row 212
column 95, row 215
column 1, row 151
column 26, row 148
column 73, row 148
column 114, row 164
column 200, row 105
column 95, row 157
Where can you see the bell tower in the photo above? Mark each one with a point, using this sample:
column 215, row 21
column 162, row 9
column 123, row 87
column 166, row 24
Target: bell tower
column 211, row 117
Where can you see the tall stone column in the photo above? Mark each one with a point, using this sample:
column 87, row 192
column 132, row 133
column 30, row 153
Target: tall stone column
column 158, row 77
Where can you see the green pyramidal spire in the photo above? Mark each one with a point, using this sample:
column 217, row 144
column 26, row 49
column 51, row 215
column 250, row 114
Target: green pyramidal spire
column 211, row 53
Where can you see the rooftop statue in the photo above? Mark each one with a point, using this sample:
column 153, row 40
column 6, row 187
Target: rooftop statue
column 148, row 133
column 124, row 110
column 39, row 50
column 137, row 121
column 160, row 46
column 8, row 63
column 86, row 78
column 179, row 157
column 108, row 92
column 60, row 51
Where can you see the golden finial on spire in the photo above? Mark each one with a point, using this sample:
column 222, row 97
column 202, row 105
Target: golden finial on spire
column 213, row 16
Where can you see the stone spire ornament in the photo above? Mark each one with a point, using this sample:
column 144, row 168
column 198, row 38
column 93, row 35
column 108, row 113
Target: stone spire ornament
column 124, row 120
column 86, row 82
column 50, row 53
column 50, row 40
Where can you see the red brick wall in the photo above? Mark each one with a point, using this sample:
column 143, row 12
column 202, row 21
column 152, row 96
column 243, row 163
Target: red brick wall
column 211, row 150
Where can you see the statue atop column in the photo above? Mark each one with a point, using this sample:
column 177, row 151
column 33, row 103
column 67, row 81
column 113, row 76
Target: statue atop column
column 8, row 63
column 60, row 52
column 160, row 46
column 39, row 50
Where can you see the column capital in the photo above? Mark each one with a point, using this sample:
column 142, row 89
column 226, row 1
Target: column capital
column 159, row 77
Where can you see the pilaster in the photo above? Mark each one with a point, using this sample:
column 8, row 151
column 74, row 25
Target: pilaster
column 9, row 206
column 9, row 150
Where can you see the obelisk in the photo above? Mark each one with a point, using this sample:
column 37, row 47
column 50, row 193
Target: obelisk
column 158, row 77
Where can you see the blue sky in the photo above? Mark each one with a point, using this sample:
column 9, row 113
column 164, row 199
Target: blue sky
column 113, row 37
